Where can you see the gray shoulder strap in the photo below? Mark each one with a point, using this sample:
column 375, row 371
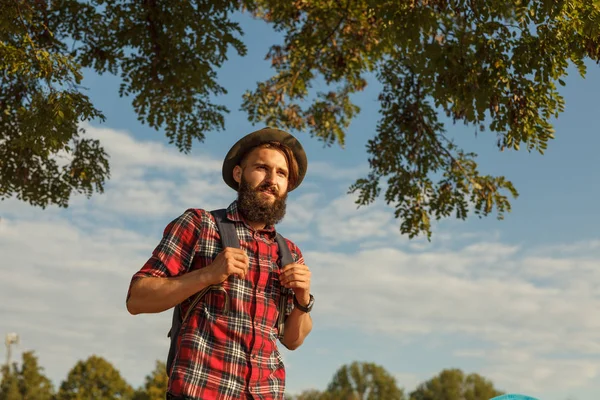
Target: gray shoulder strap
column 284, row 251
column 226, row 229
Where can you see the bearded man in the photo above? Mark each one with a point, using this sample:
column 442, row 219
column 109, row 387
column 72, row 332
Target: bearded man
column 233, row 354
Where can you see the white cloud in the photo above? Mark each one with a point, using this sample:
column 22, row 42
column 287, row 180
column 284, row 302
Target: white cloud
column 126, row 153
column 585, row 248
column 300, row 211
column 526, row 373
column 408, row 296
column 341, row 221
column 64, row 288
column 470, row 353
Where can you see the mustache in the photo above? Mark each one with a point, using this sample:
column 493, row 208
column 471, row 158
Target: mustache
column 265, row 187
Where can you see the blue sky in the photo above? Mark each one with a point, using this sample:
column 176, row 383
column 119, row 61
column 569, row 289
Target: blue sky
column 514, row 300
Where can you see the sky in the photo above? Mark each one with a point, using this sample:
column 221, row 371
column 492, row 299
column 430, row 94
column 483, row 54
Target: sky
column 515, row 300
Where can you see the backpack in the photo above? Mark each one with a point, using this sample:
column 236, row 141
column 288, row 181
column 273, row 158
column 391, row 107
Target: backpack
column 229, row 238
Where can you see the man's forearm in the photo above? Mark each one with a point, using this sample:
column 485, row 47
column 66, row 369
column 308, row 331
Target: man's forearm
column 297, row 327
column 154, row 295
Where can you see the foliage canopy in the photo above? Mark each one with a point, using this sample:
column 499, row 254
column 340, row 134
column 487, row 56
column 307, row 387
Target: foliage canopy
column 492, row 65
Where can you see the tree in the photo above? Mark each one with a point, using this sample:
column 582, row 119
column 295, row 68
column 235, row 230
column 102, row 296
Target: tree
column 9, row 387
column 156, row 384
column 363, row 381
column 34, row 385
column 43, row 157
column 27, row 382
column 453, row 384
column 492, row 65
column 310, row 394
column 94, row 378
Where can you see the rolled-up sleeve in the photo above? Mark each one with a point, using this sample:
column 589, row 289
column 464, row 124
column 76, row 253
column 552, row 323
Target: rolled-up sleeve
column 175, row 251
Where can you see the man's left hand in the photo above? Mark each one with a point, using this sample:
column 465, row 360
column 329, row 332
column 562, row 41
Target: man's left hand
column 297, row 278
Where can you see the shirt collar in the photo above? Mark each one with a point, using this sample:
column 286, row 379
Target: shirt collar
column 233, row 213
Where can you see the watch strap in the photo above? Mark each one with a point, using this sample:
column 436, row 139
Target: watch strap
column 307, row 308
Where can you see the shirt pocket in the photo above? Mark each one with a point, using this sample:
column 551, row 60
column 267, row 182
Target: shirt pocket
column 216, row 303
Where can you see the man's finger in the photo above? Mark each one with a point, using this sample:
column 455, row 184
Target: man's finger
column 240, row 271
column 239, row 255
column 298, row 285
column 300, row 278
column 292, row 267
column 296, row 277
column 234, row 250
column 288, row 267
column 292, row 272
column 238, row 268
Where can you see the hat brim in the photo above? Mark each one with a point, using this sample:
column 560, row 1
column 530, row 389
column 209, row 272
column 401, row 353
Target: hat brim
column 256, row 138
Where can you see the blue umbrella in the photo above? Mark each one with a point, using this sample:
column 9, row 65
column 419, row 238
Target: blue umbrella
column 512, row 396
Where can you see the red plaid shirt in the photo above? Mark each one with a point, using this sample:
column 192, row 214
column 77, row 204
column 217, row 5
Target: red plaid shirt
column 233, row 356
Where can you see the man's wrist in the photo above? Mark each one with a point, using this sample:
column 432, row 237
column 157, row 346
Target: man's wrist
column 303, row 299
column 204, row 277
column 306, row 306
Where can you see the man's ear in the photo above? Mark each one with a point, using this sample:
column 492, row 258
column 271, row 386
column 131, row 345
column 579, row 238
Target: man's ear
column 237, row 174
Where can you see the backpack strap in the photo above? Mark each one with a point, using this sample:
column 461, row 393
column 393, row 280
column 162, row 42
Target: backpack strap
column 284, row 251
column 286, row 258
column 220, row 217
column 229, row 238
column 226, row 228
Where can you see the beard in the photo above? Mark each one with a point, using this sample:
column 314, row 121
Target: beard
column 256, row 209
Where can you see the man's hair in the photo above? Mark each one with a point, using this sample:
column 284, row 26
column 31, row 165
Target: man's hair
column 289, row 157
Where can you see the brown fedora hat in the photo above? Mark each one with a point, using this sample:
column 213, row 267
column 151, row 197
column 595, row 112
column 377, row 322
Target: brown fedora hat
column 256, row 138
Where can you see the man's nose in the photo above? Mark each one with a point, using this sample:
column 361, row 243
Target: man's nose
column 271, row 177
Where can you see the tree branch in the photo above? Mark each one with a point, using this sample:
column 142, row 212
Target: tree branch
column 321, row 45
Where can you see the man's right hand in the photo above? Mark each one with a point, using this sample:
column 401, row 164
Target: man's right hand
column 153, row 295
column 230, row 261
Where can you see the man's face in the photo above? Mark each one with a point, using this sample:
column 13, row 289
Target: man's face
column 263, row 179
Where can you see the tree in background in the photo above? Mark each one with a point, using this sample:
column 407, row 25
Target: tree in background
column 368, row 381
column 363, row 381
column 491, row 65
column 9, row 386
column 310, row 394
column 453, row 384
column 155, row 385
column 94, row 378
column 357, row 381
column 27, row 382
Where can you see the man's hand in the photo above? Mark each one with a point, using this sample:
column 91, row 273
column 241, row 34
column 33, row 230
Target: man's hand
column 230, row 261
column 297, row 277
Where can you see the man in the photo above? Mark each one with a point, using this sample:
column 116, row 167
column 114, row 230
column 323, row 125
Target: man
column 233, row 354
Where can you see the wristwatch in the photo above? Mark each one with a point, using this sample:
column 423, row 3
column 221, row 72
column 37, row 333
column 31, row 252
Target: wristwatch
column 306, row 309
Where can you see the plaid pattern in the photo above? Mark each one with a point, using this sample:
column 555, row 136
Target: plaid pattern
column 234, row 355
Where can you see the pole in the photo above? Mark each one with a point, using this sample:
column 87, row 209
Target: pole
column 11, row 338
column 8, row 354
